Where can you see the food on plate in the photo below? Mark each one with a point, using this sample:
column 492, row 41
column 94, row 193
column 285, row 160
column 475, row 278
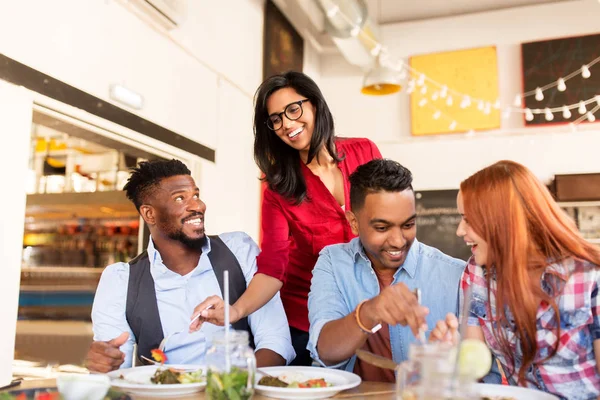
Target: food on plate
column 294, row 380
column 158, row 355
column 497, row 398
column 232, row 385
column 50, row 394
column 170, row 376
column 272, row 381
column 36, row 396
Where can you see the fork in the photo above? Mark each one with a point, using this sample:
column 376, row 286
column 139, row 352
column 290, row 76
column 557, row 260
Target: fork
column 421, row 335
column 149, row 360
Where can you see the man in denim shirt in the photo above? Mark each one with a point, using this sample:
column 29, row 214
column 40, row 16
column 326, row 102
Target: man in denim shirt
column 362, row 292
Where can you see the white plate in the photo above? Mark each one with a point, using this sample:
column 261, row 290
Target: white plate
column 137, row 381
column 341, row 380
column 519, row 393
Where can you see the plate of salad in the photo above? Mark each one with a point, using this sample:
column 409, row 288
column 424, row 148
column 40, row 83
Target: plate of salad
column 304, row 382
column 160, row 380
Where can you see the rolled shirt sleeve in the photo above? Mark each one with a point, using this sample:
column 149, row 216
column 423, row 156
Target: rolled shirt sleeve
column 325, row 304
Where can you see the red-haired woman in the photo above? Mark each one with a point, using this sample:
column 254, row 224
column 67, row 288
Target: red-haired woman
column 534, row 283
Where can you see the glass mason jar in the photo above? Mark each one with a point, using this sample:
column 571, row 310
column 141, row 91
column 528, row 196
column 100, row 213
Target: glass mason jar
column 231, row 367
column 429, row 374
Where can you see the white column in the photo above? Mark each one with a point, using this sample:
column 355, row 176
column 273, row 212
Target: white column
column 15, row 135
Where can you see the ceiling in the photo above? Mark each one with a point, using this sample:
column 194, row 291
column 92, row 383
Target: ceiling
column 308, row 19
column 392, row 11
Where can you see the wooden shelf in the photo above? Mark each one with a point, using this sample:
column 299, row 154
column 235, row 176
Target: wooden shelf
column 109, row 204
column 579, row 204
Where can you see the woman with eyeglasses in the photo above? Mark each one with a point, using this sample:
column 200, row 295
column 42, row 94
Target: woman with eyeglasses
column 534, row 283
column 306, row 170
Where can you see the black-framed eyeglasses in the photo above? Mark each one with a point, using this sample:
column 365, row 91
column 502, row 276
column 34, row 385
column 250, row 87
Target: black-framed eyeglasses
column 292, row 111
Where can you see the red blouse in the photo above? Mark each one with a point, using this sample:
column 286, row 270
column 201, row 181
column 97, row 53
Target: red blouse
column 293, row 235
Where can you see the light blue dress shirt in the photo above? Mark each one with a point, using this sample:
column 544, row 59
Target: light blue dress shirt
column 177, row 296
column 343, row 277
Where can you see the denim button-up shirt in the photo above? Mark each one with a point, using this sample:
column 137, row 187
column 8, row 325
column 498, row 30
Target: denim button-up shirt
column 343, row 277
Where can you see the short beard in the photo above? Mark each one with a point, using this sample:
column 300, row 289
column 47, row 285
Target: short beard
column 192, row 244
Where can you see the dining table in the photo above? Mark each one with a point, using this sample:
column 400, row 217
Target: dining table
column 365, row 391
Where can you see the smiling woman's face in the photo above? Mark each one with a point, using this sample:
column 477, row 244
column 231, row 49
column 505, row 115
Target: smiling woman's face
column 298, row 133
column 479, row 247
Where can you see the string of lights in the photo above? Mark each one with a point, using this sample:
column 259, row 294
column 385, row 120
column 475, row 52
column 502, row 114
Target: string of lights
column 417, row 80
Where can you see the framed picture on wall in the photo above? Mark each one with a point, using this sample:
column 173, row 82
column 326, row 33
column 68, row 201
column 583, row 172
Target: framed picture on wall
column 544, row 62
column 473, row 71
column 283, row 47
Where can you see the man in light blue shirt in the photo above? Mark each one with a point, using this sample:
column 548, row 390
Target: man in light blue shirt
column 175, row 274
column 363, row 292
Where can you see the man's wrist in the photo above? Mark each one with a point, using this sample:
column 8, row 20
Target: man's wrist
column 365, row 317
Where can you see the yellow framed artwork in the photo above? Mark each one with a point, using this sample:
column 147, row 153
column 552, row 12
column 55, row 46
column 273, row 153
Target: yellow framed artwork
column 473, row 72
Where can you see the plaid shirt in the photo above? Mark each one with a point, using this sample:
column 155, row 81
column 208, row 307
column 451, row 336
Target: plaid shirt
column 571, row 373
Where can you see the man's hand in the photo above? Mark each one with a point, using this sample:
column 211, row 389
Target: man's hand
column 396, row 304
column 445, row 331
column 215, row 315
column 106, row 356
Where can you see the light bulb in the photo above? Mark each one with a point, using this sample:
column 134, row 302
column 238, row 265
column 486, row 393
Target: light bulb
column 437, row 114
column 548, row 114
column 355, row 31
column 480, row 105
column 561, row 86
column 422, row 102
column 466, row 102
column 435, row 96
column 424, row 90
column 332, row 11
column 375, row 51
column 528, row 114
column 566, row 112
column 581, row 108
column 444, row 92
column 497, row 105
column 411, row 86
column 518, row 101
column 591, row 117
column 452, row 125
column 449, row 101
column 573, row 127
column 421, row 80
column 487, row 109
column 597, row 98
column 539, row 95
column 585, row 72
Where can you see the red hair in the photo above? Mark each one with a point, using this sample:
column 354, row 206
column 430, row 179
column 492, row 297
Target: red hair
column 525, row 230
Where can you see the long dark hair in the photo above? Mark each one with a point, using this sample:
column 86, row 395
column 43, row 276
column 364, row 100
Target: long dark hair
column 279, row 162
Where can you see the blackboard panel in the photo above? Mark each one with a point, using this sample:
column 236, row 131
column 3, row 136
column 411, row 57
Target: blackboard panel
column 437, row 220
column 546, row 61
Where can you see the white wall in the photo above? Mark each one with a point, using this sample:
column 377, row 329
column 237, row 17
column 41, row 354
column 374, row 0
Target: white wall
column 443, row 161
column 197, row 80
column 15, row 128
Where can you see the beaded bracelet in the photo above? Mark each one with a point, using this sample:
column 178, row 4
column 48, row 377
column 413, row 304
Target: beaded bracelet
column 360, row 325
